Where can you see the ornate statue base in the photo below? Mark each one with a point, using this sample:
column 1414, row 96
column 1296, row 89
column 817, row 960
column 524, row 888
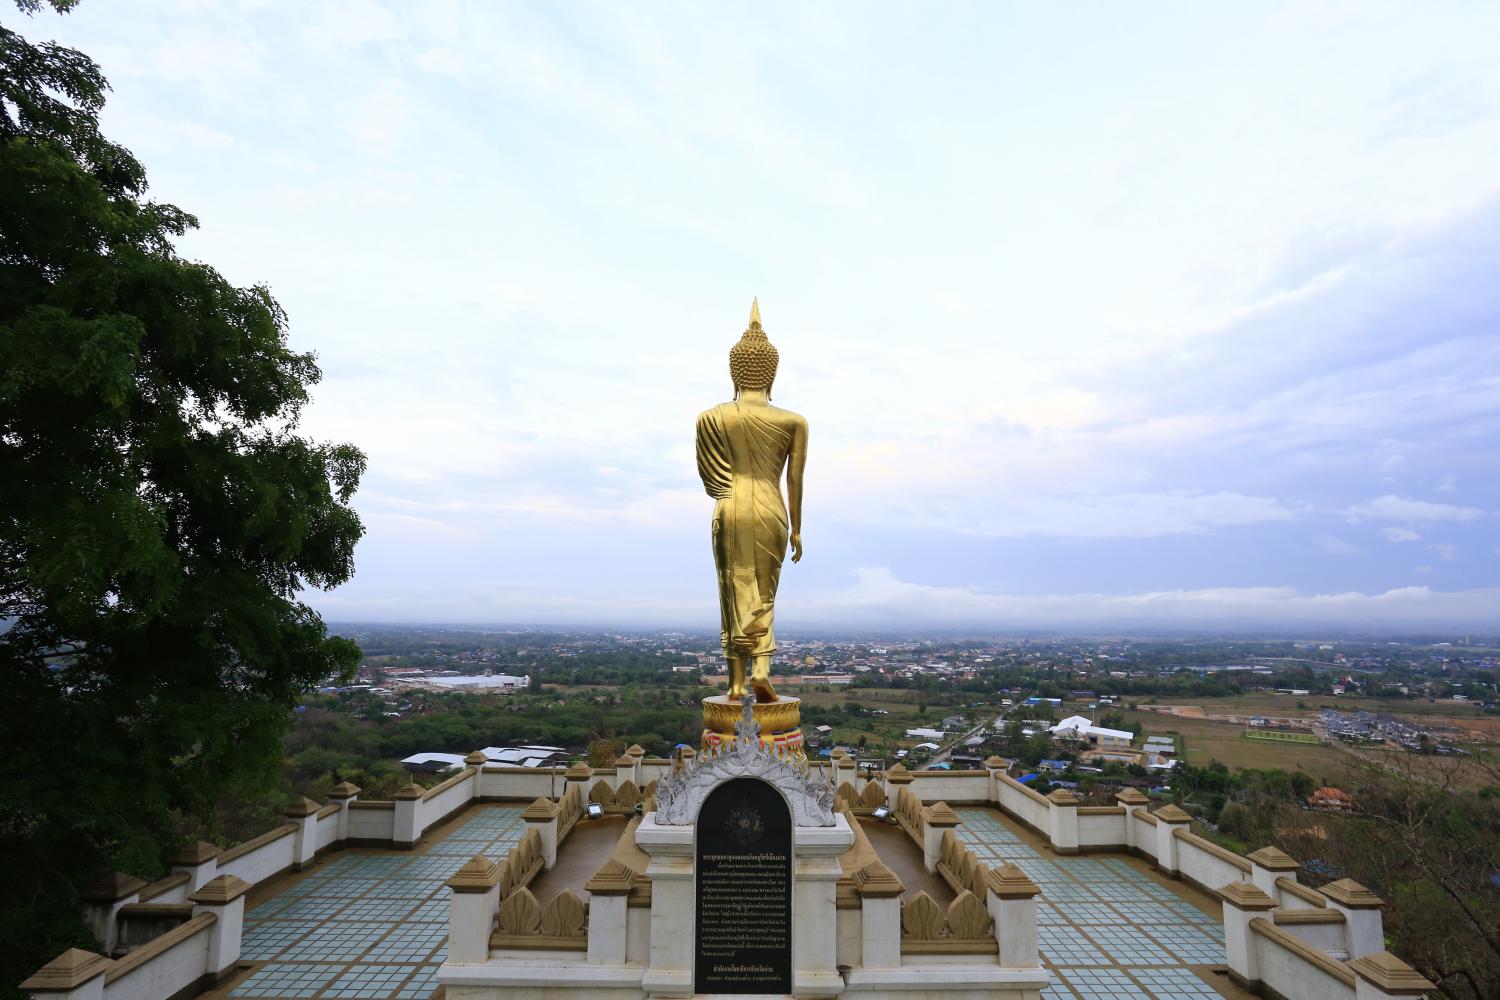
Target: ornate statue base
column 779, row 722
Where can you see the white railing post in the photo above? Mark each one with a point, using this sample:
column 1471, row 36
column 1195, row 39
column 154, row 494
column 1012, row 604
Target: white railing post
column 1267, row 865
column 1131, row 800
column 1011, row 900
column 935, row 819
column 304, row 814
column 880, row 916
column 541, row 816
column 1381, row 975
column 223, row 896
column 1169, row 819
column 1243, row 902
column 74, row 975
column 408, row 819
column 475, row 762
column 343, row 793
column 1062, row 821
column 1364, row 929
column 200, row 861
column 471, row 910
column 609, row 892
column 102, row 902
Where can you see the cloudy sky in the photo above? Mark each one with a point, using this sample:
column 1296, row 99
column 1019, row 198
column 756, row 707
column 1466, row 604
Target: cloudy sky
column 1122, row 314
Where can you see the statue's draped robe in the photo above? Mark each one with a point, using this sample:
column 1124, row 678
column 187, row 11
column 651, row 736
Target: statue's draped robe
column 741, row 454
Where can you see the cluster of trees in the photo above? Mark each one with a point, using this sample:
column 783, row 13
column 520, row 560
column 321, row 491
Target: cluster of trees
column 159, row 515
column 1422, row 834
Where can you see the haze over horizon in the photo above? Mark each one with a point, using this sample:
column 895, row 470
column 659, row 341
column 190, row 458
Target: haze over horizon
column 1169, row 316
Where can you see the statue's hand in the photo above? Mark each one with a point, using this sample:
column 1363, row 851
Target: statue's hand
column 797, row 547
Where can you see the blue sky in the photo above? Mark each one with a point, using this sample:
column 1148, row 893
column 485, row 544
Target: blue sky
column 1101, row 314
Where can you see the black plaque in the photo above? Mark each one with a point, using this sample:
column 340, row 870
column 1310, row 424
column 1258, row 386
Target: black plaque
column 744, row 882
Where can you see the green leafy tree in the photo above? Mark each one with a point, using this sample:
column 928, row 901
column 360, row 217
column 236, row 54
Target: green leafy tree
column 159, row 514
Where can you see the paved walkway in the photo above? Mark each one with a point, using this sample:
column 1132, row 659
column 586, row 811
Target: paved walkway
column 372, row 925
column 369, row 925
column 1107, row 929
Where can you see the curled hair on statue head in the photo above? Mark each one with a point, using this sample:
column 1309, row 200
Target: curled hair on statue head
column 753, row 359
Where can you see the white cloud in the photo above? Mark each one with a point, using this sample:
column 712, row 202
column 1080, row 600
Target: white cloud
column 1394, row 508
column 878, row 595
column 1448, row 484
column 1336, row 546
column 1444, row 551
column 1400, row 534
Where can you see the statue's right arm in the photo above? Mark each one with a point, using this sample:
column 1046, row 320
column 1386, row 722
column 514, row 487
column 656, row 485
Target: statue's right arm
column 796, row 461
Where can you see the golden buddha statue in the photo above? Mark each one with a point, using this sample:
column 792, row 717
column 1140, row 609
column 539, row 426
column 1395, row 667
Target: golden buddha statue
column 743, row 446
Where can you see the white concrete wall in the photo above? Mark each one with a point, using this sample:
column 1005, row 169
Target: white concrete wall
column 447, row 800
column 637, row 935
column 951, row 786
column 264, row 861
column 371, row 824
column 1018, row 799
column 164, row 975
column 1324, row 937
column 850, row 944
column 1290, row 975
column 522, row 784
column 652, row 771
column 1206, row 867
column 1145, row 835
column 327, row 831
column 1096, row 830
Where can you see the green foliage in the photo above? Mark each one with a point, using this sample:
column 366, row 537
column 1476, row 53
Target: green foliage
column 158, row 514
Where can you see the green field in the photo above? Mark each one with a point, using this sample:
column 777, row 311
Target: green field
column 1276, row 736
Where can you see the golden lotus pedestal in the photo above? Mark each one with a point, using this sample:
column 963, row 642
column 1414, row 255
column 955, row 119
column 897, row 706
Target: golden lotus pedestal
column 780, row 723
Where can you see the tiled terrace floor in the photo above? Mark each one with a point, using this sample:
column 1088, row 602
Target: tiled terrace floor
column 367, row 925
column 372, row 925
column 1107, row 929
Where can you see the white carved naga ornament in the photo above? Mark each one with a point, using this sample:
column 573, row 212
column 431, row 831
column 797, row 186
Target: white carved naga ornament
column 680, row 795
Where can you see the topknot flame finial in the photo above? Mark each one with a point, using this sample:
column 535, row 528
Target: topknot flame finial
column 752, row 360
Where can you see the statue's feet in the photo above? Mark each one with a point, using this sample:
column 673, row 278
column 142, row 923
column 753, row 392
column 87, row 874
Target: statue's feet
column 763, row 689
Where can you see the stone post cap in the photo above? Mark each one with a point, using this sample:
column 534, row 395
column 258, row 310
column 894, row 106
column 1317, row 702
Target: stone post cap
column 625, row 761
column 996, row 763
column 411, row 791
column 876, row 881
column 579, row 772
column 635, row 750
column 837, row 754
column 112, row 888
column 476, row 759
column 303, row 807
column 67, row 971
column 1350, row 894
column 1172, row 813
column 343, row 790
column 1274, row 859
column 899, row 775
column 540, row 811
column 1393, row 976
column 220, row 891
column 1009, row 882
column 1246, row 896
column 479, row 874
column 1131, row 797
column 194, row 854
column 614, row 878
column 941, row 814
column 1063, row 797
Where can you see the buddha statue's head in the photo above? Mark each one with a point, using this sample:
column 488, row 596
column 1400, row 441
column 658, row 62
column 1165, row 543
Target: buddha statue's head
column 752, row 361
